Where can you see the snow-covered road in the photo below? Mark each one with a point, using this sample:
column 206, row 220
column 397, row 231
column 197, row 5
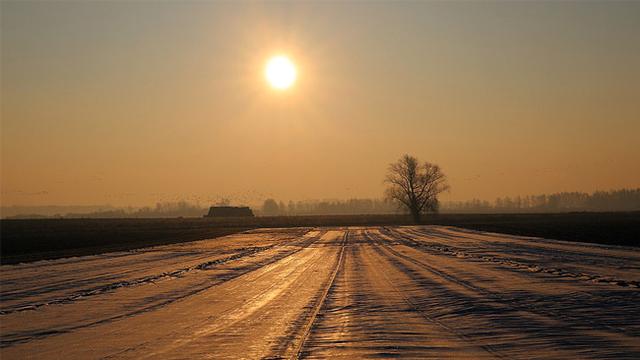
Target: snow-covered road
column 359, row 292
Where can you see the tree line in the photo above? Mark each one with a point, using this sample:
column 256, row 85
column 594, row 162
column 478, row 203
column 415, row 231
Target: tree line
column 271, row 207
column 614, row 200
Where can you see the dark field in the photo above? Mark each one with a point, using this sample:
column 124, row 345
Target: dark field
column 30, row 240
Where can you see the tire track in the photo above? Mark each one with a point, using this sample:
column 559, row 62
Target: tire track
column 253, row 308
column 315, row 306
column 539, row 310
column 307, row 329
column 487, row 348
column 19, row 338
column 114, row 270
column 85, row 293
column 457, row 252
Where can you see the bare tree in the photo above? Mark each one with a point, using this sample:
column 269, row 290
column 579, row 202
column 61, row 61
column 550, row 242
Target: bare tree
column 415, row 186
column 270, row 208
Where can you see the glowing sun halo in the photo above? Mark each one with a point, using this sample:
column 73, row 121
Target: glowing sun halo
column 280, row 72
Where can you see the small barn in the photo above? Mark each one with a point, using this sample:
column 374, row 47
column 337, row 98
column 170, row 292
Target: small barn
column 229, row 211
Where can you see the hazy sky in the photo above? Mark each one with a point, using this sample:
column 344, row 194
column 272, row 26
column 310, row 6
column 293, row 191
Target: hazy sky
column 129, row 103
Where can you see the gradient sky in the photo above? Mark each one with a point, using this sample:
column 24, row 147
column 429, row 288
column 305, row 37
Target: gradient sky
column 129, row 103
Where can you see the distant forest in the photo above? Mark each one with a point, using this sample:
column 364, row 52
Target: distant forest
column 616, row 200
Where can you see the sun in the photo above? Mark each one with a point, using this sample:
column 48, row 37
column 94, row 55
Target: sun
column 280, row 72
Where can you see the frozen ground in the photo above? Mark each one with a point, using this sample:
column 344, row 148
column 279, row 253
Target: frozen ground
column 371, row 292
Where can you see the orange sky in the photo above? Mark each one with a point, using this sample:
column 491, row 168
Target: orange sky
column 133, row 103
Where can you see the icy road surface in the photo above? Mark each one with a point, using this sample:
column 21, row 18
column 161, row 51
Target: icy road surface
column 375, row 292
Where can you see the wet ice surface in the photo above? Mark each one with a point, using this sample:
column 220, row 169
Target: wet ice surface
column 374, row 292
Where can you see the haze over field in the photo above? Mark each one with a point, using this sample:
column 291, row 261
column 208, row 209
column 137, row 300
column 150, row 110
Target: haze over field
column 131, row 103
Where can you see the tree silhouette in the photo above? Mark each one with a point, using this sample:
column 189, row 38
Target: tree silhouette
column 415, row 186
column 270, row 208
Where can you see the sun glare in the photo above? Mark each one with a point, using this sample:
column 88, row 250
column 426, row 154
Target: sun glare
column 280, row 72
